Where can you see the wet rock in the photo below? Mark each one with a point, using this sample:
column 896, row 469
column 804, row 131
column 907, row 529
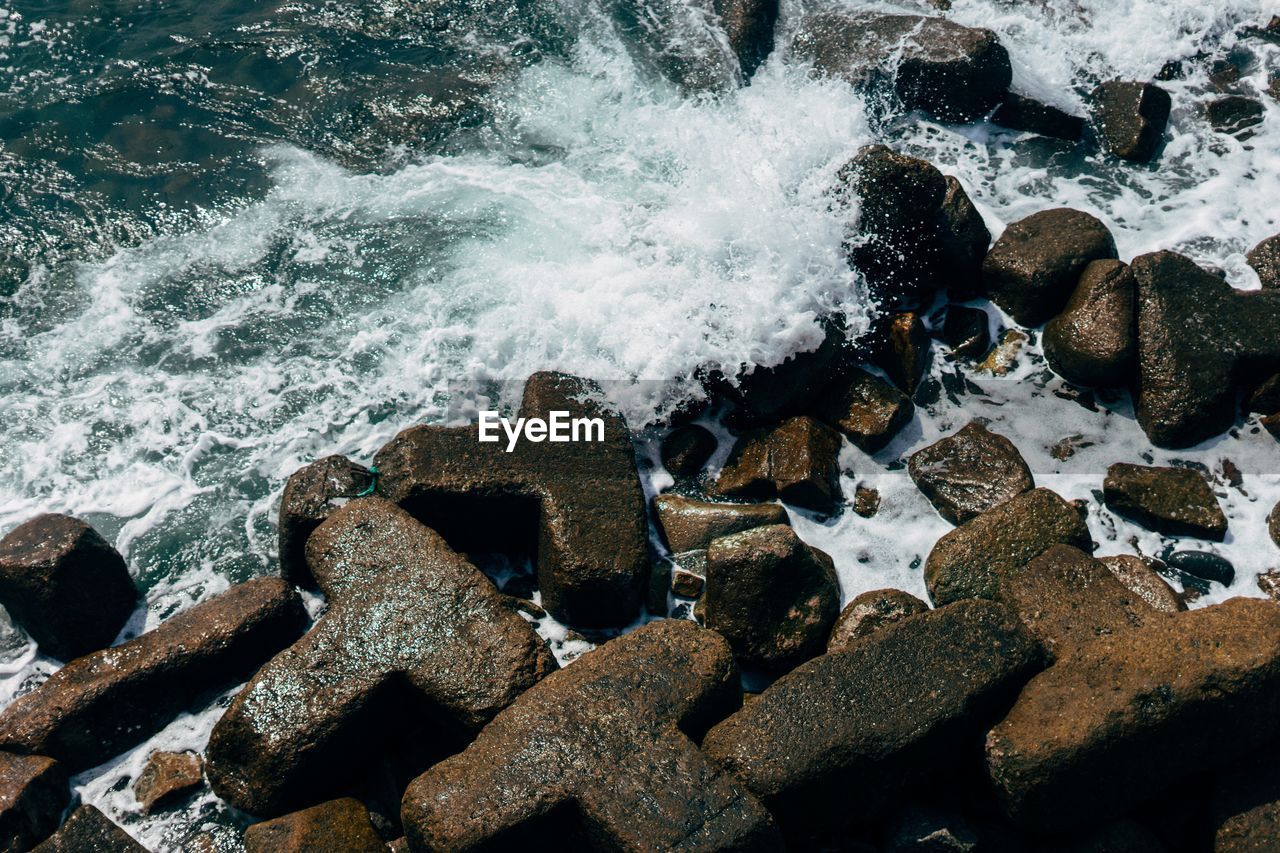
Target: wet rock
column 1269, row 583
column 410, row 622
column 167, row 778
column 578, row 505
column 1198, row 338
column 1019, row 112
column 969, row 472
column 1067, row 600
column 690, row 525
column 1130, row 118
column 1004, row 355
column 869, row 612
column 1273, row 524
column 865, row 408
column 101, row 704
column 972, row 560
column 866, row 501
column 899, row 345
column 310, row 495
column 1203, row 565
column 1265, row 399
column 89, row 830
column 1265, row 260
column 963, row 240
column 766, row 395
column 671, row 40
column 952, row 72
column 1246, row 805
column 796, row 461
column 1070, row 754
column 773, row 597
column 1093, row 342
column 1174, row 501
column 1141, row 578
column 34, row 792
column 335, row 825
column 967, row 331
column 1234, row 115
column 602, row 754
column 749, row 26
column 1032, row 270
column 688, row 584
column 686, row 449
column 837, row 738
column 65, row 585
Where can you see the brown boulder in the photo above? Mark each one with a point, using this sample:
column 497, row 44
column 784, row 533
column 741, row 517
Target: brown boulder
column 1122, row 719
column 1141, row 577
column 1265, row 260
column 65, row 585
column 601, row 755
column 34, row 792
column 310, row 495
column 89, row 830
column 336, row 825
column 972, row 560
column 104, row 703
column 749, row 26
column 1019, row 112
column 868, row 410
column 167, row 778
column 796, row 462
column 773, row 597
column 686, row 449
column 869, row 612
column 581, row 502
column 690, row 525
column 1175, row 501
column 969, row 472
column 1032, row 270
column 1130, row 118
column 1093, row 342
column 837, row 738
column 410, row 622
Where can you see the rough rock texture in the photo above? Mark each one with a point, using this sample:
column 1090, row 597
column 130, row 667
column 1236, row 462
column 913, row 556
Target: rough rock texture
column 336, row 825
column 1067, row 600
column 1069, row 753
column 1234, row 115
column 1269, row 583
column 868, row 410
column 1130, row 118
column 686, row 449
column 89, row 830
column 310, row 495
column 34, row 792
column 899, row 345
column 972, row 560
column 100, row 705
column 1093, row 342
column 65, row 585
column 167, row 778
column 1003, row 357
column 967, row 331
column 1032, row 270
column 869, row 612
column 969, row 472
column 749, row 25
column 1197, row 338
column 963, row 241
column 866, row 501
column 1019, row 112
column 1176, row 501
column 580, row 501
column 773, row 597
column 410, row 622
column 1265, row 260
column 838, row 737
column 1141, row 577
column 1246, row 805
column 796, row 461
column 601, row 755
column 690, row 525
column 952, row 72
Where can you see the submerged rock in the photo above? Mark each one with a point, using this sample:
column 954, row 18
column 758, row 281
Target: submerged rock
column 100, row 705
column 409, row 620
column 89, row 830
column 796, row 462
column 1140, row 576
column 773, row 597
column 969, row 472
column 310, row 495
column 602, row 754
column 836, row 739
column 577, row 505
column 869, row 612
column 167, row 778
column 1019, row 112
column 686, row 449
column 336, row 825
column 65, row 585
column 691, row 525
column 34, row 792
column 1175, row 501
column 865, row 408
column 1234, row 115
column 1034, row 266
column 1131, row 118
column 1093, row 342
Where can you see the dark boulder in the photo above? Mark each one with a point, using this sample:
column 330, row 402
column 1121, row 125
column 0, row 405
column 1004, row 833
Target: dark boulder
column 1019, row 112
column 335, row 825
column 1034, row 266
column 1093, row 342
column 1130, row 118
column 100, row 705
column 167, row 778
column 836, row 739
column 686, row 449
column 1175, row 501
column 1265, row 260
column 89, row 830
column 1234, row 115
column 601, row 755
column 749, row 26
column 766, row 395
column 963, row 240
column 310, row 495
column 65, row 585
column 1204, row 565
column 972, row 560
column 773, row 597
column 967, row 331
column 899, row 345
column 969, row 472
column 865, row 408
column 34, row 792
column 1140, row 576
column 410, row 622
column 690, row 525
column 796, row 461
column 870, row 612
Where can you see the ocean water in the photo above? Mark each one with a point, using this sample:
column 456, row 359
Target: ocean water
column 238, row 236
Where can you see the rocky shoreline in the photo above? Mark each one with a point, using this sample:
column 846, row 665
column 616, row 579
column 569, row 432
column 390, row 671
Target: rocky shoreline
column 1042, row 699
